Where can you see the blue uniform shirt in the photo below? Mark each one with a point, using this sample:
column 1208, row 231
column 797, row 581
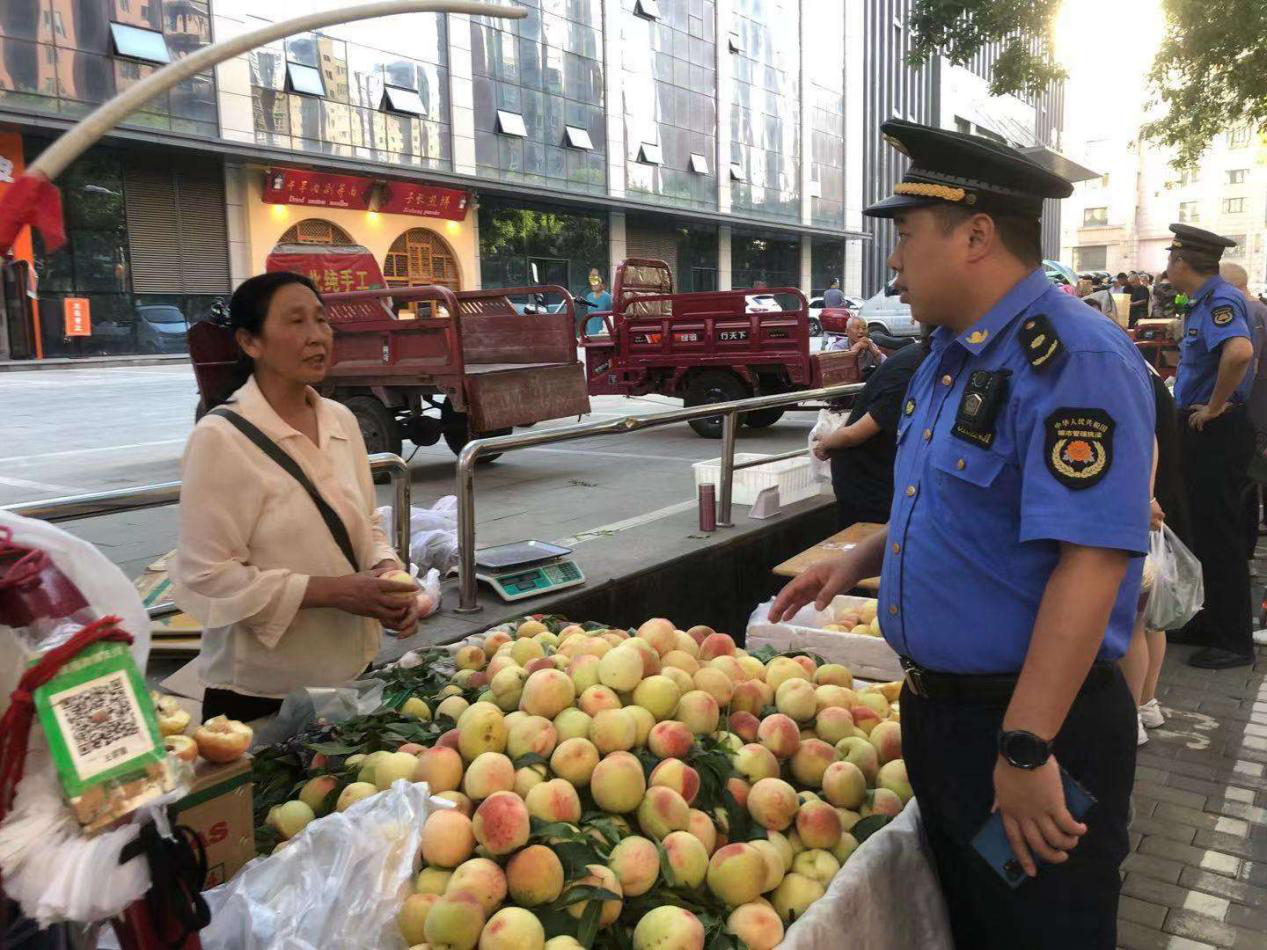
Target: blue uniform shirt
column 1219, row 312
column 980, row 506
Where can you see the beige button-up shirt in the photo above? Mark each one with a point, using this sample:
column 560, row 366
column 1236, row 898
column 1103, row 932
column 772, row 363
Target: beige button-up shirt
column 250, row 537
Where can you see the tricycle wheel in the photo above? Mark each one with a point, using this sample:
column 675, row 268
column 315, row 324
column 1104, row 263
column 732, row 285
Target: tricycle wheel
column 377, row 424
column 763, row 418
column 713, row 386
column 457, row 432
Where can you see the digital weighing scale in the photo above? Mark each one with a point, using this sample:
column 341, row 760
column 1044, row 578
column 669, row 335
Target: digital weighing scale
column 527, row 569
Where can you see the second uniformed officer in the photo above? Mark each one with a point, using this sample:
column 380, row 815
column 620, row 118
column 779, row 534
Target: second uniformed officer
column 1216, row 441
column 1010, row 568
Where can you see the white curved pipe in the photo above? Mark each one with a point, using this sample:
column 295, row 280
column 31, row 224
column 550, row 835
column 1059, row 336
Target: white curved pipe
column 77, row 140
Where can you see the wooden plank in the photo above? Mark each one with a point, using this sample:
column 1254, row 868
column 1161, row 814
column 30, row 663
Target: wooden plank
column 841, row 541
column 518, row 397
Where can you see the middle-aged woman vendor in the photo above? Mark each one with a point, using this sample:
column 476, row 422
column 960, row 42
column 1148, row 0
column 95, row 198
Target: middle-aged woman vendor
column 284, row 604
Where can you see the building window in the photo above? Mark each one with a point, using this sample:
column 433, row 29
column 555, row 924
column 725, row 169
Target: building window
column 149, row 46
column 511, row 123
column 1095, row 217
column 647, row 8
column 699, row 164
column 1104, row 180
column 649, row 153
column 1236, row 176
column 737, row 173
column 1188, row 213
column 404, row 101
column 735, row 42
column 1189, row 176
column 315, row 231
column 305, row 80
column 577, row 138
column 1238, row 251
column 418, row 257
column 1233, row 205
column 1092, row 257
column 1238, row 138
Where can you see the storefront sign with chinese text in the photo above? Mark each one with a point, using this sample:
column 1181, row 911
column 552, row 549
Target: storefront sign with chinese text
column 425, row 201
column 334, row 270
column 78, row 316
column 290, row 186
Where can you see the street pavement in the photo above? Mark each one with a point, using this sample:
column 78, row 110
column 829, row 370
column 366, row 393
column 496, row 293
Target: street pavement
column 73, row 431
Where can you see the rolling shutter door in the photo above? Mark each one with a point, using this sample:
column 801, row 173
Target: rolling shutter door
column 177, row 230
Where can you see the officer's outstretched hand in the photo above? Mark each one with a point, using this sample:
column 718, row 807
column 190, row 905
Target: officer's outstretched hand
column 819, row 584
column 1034, row 814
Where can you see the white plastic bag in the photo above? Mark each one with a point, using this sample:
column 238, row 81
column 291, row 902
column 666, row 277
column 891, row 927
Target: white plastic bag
column 1178, row 590
column 886, row 897
column 339, row 883
column 828, row 422
column 433, row 534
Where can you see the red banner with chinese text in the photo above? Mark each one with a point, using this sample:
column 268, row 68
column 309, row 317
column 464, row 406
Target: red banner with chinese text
column 291, row 186
column 425, row 201
column 333, row 269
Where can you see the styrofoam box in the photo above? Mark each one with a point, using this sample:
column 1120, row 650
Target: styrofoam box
column 794, row 478
column 868, row 658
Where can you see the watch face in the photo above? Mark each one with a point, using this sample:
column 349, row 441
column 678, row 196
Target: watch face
column 1024, row 750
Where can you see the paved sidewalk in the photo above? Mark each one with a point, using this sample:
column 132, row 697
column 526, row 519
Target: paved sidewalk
column 1197, row 873
column 92, row 362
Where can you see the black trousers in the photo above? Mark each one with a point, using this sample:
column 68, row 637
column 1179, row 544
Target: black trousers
column 225, row 702
column 1215, row 475
column 950, row 751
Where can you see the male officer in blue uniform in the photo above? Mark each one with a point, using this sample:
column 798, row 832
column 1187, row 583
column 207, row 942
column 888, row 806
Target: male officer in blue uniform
column 1217, row 443
column 1010, row 569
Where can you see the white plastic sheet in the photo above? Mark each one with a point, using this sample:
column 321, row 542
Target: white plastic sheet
column 49, row 867
column 339, row 883
column 886, row 897
column 828, row 422
column 868, row 658
column 433, row 534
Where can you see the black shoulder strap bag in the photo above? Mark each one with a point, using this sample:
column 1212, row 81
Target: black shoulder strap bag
column 270, row 448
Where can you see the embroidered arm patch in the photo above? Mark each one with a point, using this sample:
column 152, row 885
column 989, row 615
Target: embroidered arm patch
column 1222, row 316
column 1079, row 446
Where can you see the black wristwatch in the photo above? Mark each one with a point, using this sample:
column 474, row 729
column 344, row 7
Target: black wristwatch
column 1024, row 750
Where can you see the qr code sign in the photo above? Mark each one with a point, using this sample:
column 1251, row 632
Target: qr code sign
column 101, row 723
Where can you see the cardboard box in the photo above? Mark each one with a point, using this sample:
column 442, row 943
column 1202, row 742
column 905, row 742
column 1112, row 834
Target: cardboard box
column 218, row 809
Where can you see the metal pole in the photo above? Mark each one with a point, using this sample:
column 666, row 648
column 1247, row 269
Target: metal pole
column 468, row 595
column 729, row 424
column 398, row 471
column 92, row 504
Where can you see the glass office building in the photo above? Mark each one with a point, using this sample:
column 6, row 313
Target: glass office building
column 734, row 139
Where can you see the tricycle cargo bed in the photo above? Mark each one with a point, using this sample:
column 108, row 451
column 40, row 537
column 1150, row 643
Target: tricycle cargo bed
column 500, row 396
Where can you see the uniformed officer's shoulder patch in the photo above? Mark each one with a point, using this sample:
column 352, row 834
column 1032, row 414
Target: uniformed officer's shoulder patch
column 1079, row 446
column 1039, row 341
column 1222, row 315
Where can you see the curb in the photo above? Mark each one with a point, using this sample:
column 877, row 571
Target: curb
column 97, row 362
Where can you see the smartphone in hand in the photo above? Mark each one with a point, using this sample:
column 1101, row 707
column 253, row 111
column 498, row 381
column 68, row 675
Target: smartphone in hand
column 992, row 844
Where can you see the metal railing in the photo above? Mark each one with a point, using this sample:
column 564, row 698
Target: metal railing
column 468, row 600
column 96, row 504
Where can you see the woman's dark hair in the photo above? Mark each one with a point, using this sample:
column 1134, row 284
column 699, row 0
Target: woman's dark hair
column 247, row 309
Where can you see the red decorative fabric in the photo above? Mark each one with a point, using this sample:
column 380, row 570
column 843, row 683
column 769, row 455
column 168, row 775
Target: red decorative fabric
column 32, row 199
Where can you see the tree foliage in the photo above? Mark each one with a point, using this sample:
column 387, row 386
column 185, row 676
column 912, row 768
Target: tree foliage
column 959, row 29
column 1209, row 74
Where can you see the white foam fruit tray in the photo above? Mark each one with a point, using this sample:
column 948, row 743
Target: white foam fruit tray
column 794, row 478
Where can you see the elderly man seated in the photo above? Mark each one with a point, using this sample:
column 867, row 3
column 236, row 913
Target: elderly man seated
column 856, row 340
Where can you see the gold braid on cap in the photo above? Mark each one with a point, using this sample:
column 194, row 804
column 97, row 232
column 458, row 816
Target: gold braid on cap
column 923, row 190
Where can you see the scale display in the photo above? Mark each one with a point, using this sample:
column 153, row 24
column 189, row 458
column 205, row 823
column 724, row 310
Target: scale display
column 533, row 581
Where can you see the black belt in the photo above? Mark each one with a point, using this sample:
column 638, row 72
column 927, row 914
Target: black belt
column 989, row 688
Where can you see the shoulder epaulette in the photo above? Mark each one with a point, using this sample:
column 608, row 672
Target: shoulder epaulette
column 1040, row 341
